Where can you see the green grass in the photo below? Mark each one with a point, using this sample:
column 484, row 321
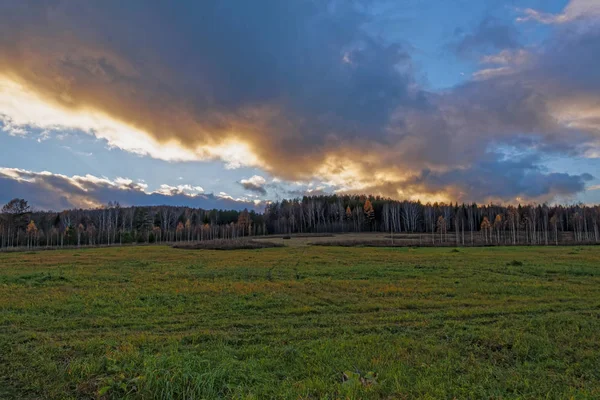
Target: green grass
column 301, row 322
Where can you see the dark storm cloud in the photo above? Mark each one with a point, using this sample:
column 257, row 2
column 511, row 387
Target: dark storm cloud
column 499, row 179
column 46, row 191
column 282, row 75
column 308, row 89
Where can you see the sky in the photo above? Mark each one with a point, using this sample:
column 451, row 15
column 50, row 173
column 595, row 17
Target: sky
column 232, row 104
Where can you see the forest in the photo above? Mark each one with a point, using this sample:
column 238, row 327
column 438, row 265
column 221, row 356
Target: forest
column 441, row 223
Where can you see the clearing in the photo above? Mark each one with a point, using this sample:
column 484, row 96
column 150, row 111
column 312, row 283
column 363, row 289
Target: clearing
column 301, row 322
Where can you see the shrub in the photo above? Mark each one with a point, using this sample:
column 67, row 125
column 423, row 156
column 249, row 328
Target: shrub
column 228, row 244
column 359, row 243
column 127, row 238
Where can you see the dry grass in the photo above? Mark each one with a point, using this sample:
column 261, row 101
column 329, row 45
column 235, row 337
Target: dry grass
column 299, row 235
column 366, row 243
column 227, row 244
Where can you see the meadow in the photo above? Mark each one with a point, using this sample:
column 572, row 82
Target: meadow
column 301, row 322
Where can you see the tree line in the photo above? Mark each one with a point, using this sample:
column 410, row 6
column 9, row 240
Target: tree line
column 438, row 223
column 20, row 226
column 461, row 224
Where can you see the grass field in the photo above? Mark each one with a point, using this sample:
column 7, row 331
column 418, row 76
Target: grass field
column 301, row 322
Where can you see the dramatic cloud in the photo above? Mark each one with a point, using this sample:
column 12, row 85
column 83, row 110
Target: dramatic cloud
column 502, row 180
column 21, row 107
column 302, row 90
column 284, row 83
column 48, row 191
column 576, row 9
column 255, row 184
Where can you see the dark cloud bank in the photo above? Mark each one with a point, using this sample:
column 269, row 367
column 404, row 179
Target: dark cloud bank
column 57, row 192
column 302, row 83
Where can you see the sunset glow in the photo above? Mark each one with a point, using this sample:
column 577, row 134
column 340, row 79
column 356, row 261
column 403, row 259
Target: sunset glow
column 370, row 108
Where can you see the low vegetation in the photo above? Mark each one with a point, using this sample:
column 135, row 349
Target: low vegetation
column 363, row 243
column 228, row 244
column 153, row 322
column 303, row 235
column 407, row 240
